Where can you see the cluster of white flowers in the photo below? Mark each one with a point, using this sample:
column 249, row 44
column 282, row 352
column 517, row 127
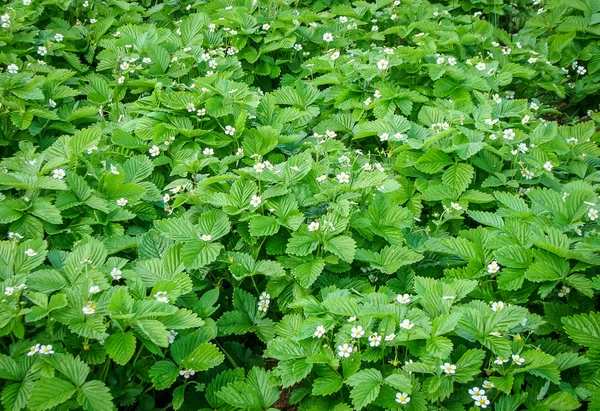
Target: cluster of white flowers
column 478, row 395
column 263, row 302
column 40, row 349
column 5, row 18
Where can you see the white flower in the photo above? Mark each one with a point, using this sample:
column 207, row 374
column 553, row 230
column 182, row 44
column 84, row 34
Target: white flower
column 206, row 237
column 320, row 331
column 522, row 147
column 229, row 130
column 263, row 306
column 509, row 94
column 403, row 298
column 122, row 202
column 384, row 137
column 343, row 19
column 497, row 306
column 46, row 350
column 402, row 398
column 527, row 174
column 448, row 368
column 406, row 324
column 506, row 50
column 497, row 99
column 42, row 51
column 375, row 28
column 264, row 296
column 266, row 26
column 328, row 37
column 58, row 173
column 115, row 273
column 476, row 392
column 12, row 68
column 374, row 340
column 154, row 151
column 147, row 60
column 564, row 291
column 488, row 384
column 592, row 214
column 440, row 60
column 351, row 319
column 190, row 107
column 89, row 309
column 343, row 178
column 548, row 166
column 482, row 401
column 390, row 337
column 8, row 291
column 379, row 167
column 368, row 101
column 456, row 206
column 377, row 94
column 161, row 297
column 335, row 55
column 480, row 66
column 496, row 334
column 525, row 119
column 172, row 334
column 259, row 167
column 383, row 64
column 58, row 37
column 208, row 151
column 114, row 170
column 28, row 2
column 344, row 350
column 187, row 373
column 124, row 66
column 33, row 350
column 508, row 134
column 578, row 231
column 581, row 70
column 367, row 167
column 14, row 235
column 255, row 201
column 330, row 133
column 30, row 252
column 297, row 47
column 213, row 64
column 314, row 226
column 121, row 80
column 517, row 359
column 94, row 289
column 357, row 332
column 493, row 267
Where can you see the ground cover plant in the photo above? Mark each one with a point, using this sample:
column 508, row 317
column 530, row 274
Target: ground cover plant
column 287, row 205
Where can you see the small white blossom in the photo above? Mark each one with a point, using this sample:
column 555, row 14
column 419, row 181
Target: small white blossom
column 58, row 37
column 154, row 151
column 448, row 368
column 58, row 173
column 592, row 214
column 482, row 401
column 314, row 226
column 46, row 350
column 122, row 202
column 564, row 291
column 161, row 297
column 12, row 68
column 30, row 252
column 33, row 350
column 375, row 340
column 493, row 267
column 390, row 337
column 548, row 166
column 343, row 178
column 187, row 373
column 229, row 130
column 476, row 392
column 402, row 398
column 509, row 134
column 480, row 66
column 115, row 273
column 8, row 291
column 94, row 289
column 406, row 324
column 383, row 64
column 456, row 206
column 208, row 151
column 497, row 306
column 328, row 37
column 517, row 359
column 255, row 201
column 206, row 237
column 344, row 350
column 403, row 298
column 321, row 178
column 357, row 332
column 89, row 309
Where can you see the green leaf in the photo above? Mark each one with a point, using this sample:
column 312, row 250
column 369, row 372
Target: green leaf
column 307, row 273
column 342, row 246
column 561, row 401
column 204, row 357
column 433, row 161
column 163, row 374
column 459, row 177
column 50, row 392
column 366, row 385
column 328, row 384
column 261, row 226
column 214, row 223
column 198, row 254
column 584, row 329
column 73, row 368
column 95, row 396
column 120, row 347
column 469, row 365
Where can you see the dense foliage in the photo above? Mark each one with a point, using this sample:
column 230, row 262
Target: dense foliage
column 330, row 205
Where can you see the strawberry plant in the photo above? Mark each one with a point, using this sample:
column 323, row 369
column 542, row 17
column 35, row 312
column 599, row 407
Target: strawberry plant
column 329, row 205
